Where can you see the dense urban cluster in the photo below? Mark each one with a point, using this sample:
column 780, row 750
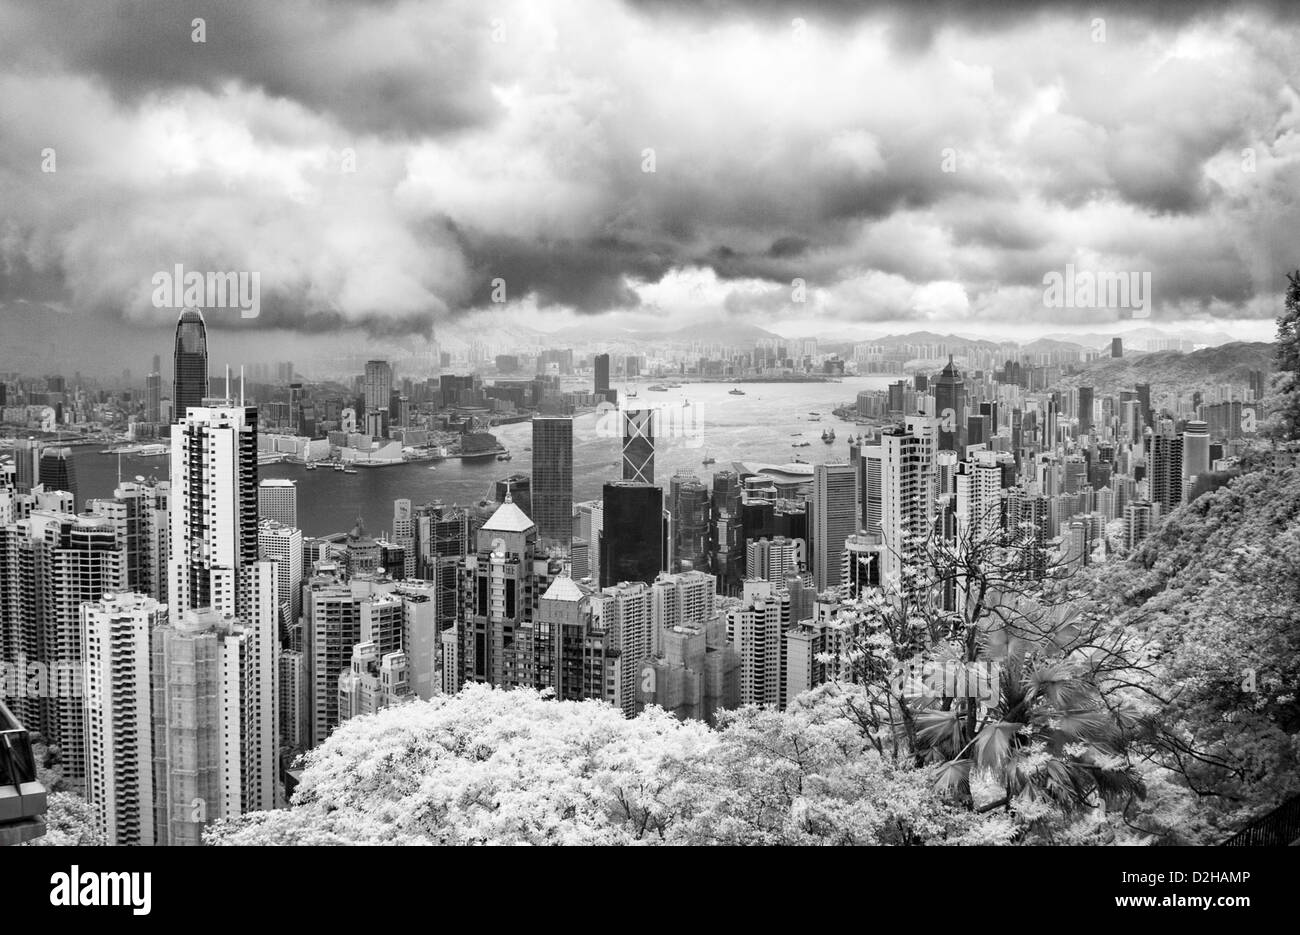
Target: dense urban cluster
column 181, row 645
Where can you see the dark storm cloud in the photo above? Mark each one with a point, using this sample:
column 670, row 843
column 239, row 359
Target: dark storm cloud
column 357, row 61
column 380, row 164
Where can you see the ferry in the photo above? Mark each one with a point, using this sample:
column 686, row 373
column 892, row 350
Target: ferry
column 310, row 465
column 141, row 450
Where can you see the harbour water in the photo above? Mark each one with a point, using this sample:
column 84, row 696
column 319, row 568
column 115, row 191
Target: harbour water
column 702, row 420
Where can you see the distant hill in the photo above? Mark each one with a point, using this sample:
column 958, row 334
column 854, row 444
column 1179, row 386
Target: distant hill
column 1175, row 370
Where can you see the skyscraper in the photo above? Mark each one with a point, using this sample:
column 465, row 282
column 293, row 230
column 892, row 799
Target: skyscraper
column 58, row 471
column 906, row 497
column 1116, row 347
column 1085, row 410
column 602, row 374
column 1164, row 452
column 277, row 499
column 950, row 408
column 153, row 397
column 119, row 730
column 834, row 519
column 631, row 544
column 689, row 505
column 190, row 363
column 377, row 396
column 552, row 482
column 214, row 505
column 639, row 445
column 1196, row 449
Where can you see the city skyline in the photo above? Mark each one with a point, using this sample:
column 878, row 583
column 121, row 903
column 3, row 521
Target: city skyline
column 604, row 423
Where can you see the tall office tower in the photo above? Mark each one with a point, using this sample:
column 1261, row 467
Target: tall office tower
column 834, row 519
column 601, row 386
column 1050, row 425
column 632, row 543
column 979, row 496
column 1258, row 385
column 520, row 489
column 140, row 512
column 573, row 658
column 1144, row 403
column 978, row 431
column 1164, row 455
column 119, row 731
column 1116, row 347
column 500, row 587
column 639, row 445
column 950, row 408
column 58, row 471
column 726, row 492
column 1196, row 449
column 282, row 544
column 377, row 391
column 27, row 468
column 772, row 559
column 443, row 538
column 373, row 682
column 277, row 499
column 906, row 499
column 552, row 481
column 189, row 363
column 1085, row 410
column 404, row 537
column 214, row 505
column 153, row 397
column 1137, row 522
column 51, row 562
column 689, row 505
column 215, row 730
column 626, row 610
column 754, row 628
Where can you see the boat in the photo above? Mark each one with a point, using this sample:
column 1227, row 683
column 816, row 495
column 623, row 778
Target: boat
column 310, row 465
column 802, row 445
column 349, row 470
column 658, row 388
column 338, row 466
column 828, row 436
column 631, row 392
column 814, row 413
column 504, row 457
column 736, row 392
column 709, row 459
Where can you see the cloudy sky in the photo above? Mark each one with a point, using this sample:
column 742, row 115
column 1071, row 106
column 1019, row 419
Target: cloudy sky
column 380, row 164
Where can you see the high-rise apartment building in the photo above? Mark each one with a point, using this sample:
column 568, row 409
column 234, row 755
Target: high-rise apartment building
column 117, row 630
